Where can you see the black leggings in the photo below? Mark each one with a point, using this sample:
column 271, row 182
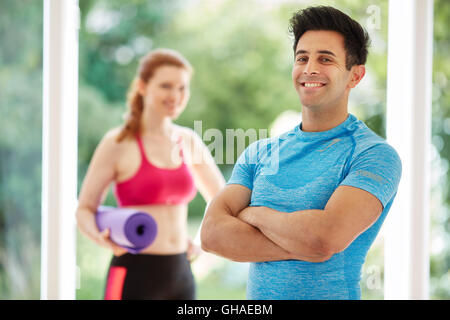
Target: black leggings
column 150, row 277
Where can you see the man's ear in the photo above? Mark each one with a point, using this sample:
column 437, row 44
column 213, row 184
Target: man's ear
column 357, row 73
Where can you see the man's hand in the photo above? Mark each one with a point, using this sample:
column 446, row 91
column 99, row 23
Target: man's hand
column 247, row 215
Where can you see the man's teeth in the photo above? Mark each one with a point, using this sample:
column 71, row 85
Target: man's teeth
column 310, row 85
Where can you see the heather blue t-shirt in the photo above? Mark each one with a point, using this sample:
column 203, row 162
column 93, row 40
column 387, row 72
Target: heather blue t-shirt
column 299, row 171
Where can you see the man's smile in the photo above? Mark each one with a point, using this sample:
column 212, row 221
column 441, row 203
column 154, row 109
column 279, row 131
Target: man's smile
column 312, row 84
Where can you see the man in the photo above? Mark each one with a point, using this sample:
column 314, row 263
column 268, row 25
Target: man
column 307, row 222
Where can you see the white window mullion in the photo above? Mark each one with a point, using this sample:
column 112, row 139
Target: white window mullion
column 59, row 149
column 408, row 127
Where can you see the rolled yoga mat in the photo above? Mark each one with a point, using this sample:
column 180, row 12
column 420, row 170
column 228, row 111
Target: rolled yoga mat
column 131, row 229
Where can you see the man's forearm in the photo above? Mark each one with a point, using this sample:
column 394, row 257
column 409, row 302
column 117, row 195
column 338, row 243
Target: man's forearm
column 231, row 238
column 224, row 234
column 239, row 241
column 298, row 232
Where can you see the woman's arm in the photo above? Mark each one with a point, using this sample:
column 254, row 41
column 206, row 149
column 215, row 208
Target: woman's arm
column 208, row 180
column 100, row 174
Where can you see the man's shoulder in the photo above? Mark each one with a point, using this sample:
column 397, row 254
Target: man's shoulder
column 365, row 138
column 369, row 144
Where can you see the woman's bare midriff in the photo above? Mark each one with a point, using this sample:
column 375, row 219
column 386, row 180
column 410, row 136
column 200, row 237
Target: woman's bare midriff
column 172, row 235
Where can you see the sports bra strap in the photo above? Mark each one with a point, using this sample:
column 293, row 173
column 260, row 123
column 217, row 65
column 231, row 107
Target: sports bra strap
column 141, row 146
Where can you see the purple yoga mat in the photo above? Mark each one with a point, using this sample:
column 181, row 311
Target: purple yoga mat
column 131, row 229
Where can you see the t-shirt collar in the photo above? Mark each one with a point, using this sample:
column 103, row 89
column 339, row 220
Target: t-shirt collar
column 347, row 125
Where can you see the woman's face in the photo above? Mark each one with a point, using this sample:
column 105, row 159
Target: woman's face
column 167, row 92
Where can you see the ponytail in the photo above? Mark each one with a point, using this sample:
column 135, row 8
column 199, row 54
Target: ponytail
column 135, row 102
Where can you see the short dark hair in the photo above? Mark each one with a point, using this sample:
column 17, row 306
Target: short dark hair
column 356, row 38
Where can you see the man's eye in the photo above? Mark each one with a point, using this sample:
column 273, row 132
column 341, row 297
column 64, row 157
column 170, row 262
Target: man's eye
column 326, row 60
column 302, row 59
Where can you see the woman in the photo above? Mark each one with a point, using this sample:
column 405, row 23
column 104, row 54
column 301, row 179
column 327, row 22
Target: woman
column 151, row 161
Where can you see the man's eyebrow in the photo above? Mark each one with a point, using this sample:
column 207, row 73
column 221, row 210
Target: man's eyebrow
column 301, row 51
column 327, row 52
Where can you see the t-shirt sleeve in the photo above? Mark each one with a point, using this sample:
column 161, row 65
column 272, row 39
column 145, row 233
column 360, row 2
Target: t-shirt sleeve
column 376, row 170
column 244, row 169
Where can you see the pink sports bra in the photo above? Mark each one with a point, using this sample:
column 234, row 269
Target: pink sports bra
column 153, row 185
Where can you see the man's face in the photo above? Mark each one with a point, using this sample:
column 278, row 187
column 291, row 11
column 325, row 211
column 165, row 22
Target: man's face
column 319, row 73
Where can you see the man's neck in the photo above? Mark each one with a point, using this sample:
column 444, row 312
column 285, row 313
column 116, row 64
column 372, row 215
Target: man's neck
column 316, row 121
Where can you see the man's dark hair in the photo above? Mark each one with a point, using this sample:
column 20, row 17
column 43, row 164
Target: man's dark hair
column 356, row 39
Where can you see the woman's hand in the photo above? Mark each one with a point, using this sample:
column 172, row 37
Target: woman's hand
column 104, row 240
column 193, row 251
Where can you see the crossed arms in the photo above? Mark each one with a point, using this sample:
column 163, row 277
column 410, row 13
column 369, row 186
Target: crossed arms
column 241, row 233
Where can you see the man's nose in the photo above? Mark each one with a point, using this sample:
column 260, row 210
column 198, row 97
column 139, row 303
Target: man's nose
column 311, row 67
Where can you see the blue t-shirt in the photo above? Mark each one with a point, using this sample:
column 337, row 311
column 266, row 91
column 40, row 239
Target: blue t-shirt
column 300, row 170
